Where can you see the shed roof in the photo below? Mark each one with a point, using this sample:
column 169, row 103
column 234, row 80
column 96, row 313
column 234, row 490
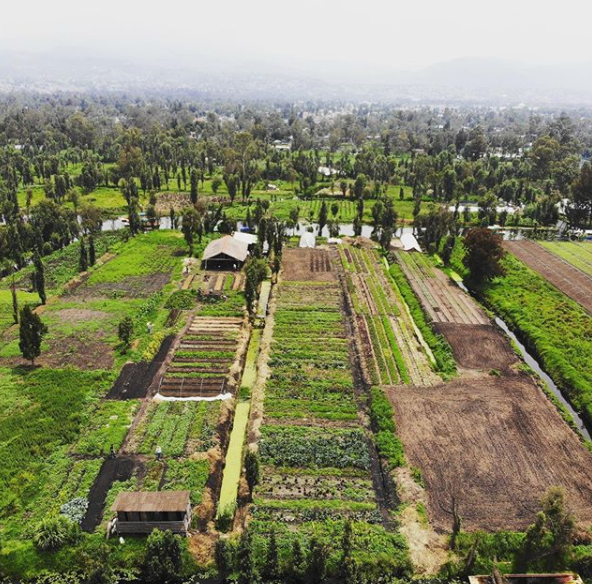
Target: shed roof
column 154, row 501
column 228, row 246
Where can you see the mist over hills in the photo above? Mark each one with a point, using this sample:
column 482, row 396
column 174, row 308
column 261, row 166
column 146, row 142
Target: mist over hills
column 460, row 81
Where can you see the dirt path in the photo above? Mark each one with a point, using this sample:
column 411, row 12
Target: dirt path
column 113, row 469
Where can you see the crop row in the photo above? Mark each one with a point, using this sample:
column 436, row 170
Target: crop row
column 313, row 447
column 177, row 427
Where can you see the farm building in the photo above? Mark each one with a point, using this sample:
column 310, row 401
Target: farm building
column 226, row 253
column 307, row 240
column 141, row 512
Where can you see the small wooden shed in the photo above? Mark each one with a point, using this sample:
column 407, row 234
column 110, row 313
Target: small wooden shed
column 142, row 512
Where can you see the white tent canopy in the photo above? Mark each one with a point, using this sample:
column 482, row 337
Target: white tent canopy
column 307, row 240
column 410, row 243
column 248, row 238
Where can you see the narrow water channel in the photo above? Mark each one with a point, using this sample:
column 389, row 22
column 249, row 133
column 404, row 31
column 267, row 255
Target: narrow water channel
column 535, row 366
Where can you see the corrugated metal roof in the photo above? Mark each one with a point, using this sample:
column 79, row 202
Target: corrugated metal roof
column 154, row 501
column 228, row 246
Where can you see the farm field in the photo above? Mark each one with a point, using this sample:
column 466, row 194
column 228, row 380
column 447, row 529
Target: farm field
column 493, row 443
column 565, row 266
column 577, row 253
column 320, row 466
column 60, row 420
column 496, row 445
column 475, row 342
column 392, row 351
column 554, row 327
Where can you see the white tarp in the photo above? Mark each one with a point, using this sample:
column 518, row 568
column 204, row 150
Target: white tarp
column 248, row 238
column 222, row 396
column 409, row 242
column 307, row 240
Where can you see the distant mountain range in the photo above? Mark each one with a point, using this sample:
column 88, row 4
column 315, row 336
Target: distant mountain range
column 466, row 80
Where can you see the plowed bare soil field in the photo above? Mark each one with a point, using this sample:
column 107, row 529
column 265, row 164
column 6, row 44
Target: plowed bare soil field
column 478, row 346
column 497, row 445
column 307, row 265
column 571, row 281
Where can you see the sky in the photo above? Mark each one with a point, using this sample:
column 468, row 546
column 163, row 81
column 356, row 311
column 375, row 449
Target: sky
column 308, row 35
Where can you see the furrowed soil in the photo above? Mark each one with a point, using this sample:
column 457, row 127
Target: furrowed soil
column 497, row 445
column 493, row 350
column 571, row 281
column 494, row 442
column 307, row 265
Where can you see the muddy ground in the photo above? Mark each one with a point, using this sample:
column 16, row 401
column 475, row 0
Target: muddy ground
column 560, row 273
column 121, row 469
column 478, row 346
column 135, row 378
column 497, row 444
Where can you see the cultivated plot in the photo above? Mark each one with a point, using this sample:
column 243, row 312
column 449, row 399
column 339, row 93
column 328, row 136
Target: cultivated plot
column 560, row 271
column 494, row 444
column 391, row 349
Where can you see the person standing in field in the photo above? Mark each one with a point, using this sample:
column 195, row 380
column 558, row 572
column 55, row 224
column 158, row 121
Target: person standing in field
column 158, row 453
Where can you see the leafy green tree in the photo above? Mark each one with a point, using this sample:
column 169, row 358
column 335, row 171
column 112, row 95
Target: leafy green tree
column 83, row 256
column 346, row 548
column 92, row 252
column 357, row 225
column 252, row 469
column 31, row 333
column 194, row 182
column 246, row 568
column 317, row 565
column 191, row 226
column 296, row 563
column 163, row 561
column 323, row 216
column 216, row 184
column 125, row 331
column 549, row 540
column 256, row 271
column 223, row 560
column 484, row 254
column 39, row 277
column 271, row 570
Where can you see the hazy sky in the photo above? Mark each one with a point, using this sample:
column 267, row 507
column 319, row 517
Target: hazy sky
column 379, row 33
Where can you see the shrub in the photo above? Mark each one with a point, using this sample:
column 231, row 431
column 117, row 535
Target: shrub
column 381, row 414
column 54, row 532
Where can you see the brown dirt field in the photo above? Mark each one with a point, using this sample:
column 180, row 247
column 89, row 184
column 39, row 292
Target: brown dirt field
column 441, row 298
column 498, row 445
column 78, row 315
column 307, row 265
column 570, row 280
column 77, row 351
column 131, row 287
column 478, row 346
